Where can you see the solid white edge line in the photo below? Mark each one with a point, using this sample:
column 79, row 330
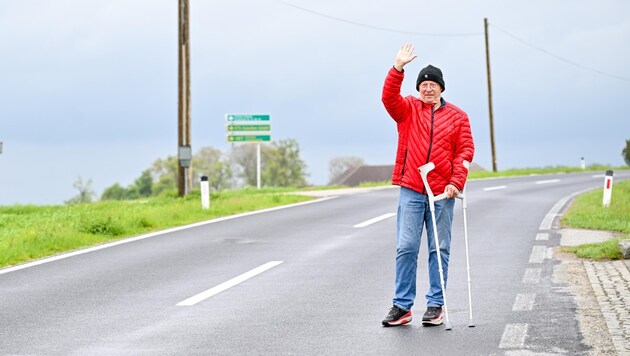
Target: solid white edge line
column 227, row 285
column 551, row 215
column 499, row 187
column 375, row 220
column 153, row 234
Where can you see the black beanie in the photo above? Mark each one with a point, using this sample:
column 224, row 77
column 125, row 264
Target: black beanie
column 431, row 73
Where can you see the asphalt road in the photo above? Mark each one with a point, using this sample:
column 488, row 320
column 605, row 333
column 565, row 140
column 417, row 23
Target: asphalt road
column 305, row 280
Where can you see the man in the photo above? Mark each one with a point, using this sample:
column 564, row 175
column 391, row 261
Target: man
column 429, row 130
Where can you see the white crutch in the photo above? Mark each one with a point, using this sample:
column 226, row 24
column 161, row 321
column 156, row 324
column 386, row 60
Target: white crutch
column 424, row 171
column 462, row 196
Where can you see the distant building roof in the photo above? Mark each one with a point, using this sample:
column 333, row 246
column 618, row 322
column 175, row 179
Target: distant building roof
column 365, row 174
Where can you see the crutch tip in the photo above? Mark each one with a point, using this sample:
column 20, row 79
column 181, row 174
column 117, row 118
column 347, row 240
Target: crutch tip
column 471, row 325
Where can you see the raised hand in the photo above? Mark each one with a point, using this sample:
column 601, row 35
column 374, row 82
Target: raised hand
column 404, row 56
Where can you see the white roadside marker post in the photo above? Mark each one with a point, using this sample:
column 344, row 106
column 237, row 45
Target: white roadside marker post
column 205, row 193
column 608, row 182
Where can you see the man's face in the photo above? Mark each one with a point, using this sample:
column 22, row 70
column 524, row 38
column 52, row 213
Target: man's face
column 430, row 92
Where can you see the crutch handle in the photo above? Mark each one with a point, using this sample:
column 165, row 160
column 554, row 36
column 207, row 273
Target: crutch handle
column 424, row 171
column 460, row 195
column 439, row 197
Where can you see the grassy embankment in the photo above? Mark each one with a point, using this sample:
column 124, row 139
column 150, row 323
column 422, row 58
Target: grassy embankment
column 30, row 232
column 587, row 212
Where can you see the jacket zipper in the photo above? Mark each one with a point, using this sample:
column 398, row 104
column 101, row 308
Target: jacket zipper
column 424, row 190
column 402, row 173
column 431, row 141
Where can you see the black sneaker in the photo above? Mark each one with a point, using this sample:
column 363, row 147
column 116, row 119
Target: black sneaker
column 433, row 316
column 397, row 316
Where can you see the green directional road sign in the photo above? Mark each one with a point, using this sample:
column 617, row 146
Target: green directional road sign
column 246, row 117
column 249, row 138
column 245, row 127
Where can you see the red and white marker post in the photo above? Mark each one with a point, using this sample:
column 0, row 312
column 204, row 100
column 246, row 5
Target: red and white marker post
column 608, row 182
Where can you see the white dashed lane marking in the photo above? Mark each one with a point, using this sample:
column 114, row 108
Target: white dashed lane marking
column 549, row 253
column 524, row 302
column 495, row 188
column 228, row 284
column 548, row 181
column 375, row 220
column 539, row 252
column 514, row 336
column 532, row 276
column 543, row 236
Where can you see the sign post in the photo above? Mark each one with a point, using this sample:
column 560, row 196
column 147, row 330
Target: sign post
column 249, row 128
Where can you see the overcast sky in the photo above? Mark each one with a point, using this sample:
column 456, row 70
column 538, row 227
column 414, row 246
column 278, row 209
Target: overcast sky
column 89, row 88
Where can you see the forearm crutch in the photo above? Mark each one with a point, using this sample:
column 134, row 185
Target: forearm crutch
column 462, row 196
column 424, row 171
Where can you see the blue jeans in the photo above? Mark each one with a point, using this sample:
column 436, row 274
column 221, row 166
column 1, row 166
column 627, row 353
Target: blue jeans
column 413, row 214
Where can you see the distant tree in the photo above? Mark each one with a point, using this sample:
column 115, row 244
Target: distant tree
column 161, row 177
column 144, row 184
column 243, row 159
column 220, row 176
column 115, row 192
column 164, row 175
column 626, row 153
column 340, row 165
column 284, row 167
column 209, row 162
column 86, row 193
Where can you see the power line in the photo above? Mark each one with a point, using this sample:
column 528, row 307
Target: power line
column 354, row 23
column 378, row 27
column 560, row 58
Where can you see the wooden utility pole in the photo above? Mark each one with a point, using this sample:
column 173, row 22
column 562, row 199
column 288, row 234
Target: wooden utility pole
column 183, row 113
column 494, row 156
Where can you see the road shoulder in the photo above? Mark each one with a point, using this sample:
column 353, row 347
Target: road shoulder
column 601, row 291
column 572, row 273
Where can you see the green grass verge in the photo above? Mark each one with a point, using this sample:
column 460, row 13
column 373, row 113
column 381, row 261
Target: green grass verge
column 375, row 184
column 545, row 170
column 31, row 232
column 587, row 212
column 607, row 250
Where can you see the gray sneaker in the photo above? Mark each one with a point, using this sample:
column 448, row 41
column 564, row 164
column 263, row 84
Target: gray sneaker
column 397, row 316
column 433, row 316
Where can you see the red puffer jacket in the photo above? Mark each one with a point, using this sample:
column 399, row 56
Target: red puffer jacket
column 442, row 136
